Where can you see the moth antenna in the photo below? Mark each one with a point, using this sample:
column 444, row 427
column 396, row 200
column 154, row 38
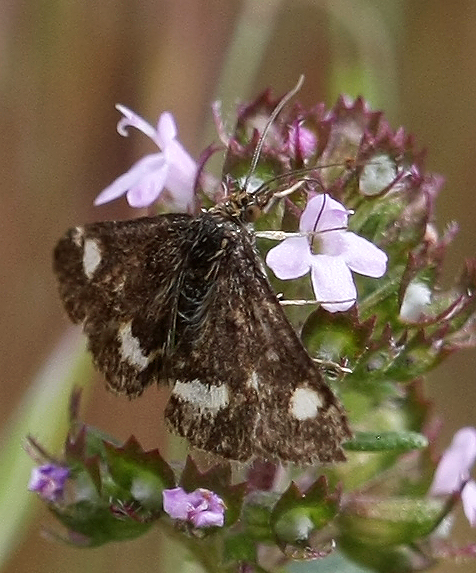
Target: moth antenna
column 273, row 116
column 346, row 164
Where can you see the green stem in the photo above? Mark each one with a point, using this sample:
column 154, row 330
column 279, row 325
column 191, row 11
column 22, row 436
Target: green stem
column 392, row 281
column 206, row 552
column 66, row 367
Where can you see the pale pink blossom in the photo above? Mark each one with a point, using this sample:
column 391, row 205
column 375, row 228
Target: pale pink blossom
column 329, row 252
column 202, row 507
column 453, row 471
column 172, row 168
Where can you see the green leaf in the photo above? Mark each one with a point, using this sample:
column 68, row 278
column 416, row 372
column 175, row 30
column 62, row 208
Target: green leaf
column 336, row 335
column 97, row 523
column 296, row 515
column 256, row 515
column 143, row 474
column 240, row 547
column 393, row 521
column 393, row 559
column 386, row 442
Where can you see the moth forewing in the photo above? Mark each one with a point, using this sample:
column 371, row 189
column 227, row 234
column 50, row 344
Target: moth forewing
column 126, row 302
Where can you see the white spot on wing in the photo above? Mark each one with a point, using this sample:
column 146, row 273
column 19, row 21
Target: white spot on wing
column 201, row 396
column 272, row 355
column 253, row 381
column 130, row 348
column 91, row 257
column 305, row 403
column 77, row 236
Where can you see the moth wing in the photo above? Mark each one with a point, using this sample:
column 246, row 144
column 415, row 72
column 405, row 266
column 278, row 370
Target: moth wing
column 244, row 384
column 118, row 279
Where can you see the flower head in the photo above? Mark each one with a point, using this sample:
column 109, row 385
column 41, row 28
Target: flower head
column 330, row 254
column 453, row 471
column 171, row 169
column 202, row 507
column 48, row 480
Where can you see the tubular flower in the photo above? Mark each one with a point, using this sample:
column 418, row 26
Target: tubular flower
column 171, row 169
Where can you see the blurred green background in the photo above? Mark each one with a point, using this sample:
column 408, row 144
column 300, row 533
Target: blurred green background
column 63, row 66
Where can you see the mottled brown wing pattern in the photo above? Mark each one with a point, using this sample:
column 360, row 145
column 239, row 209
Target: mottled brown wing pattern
column 244, row 384
column 186, row 300
column 119, row 280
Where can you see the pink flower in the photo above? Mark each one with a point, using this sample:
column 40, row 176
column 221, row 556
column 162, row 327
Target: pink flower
column 453, row 471
column 330, row 255
column 48, row 481
column 202, row 507
column 301, row 140
column 172, row 168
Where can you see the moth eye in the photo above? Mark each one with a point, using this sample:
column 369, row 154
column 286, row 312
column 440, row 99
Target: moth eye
column 252, row 212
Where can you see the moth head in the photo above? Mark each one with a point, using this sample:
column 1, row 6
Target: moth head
column 246, row 206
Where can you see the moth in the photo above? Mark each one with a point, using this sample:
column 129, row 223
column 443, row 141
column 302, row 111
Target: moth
column 184, row 300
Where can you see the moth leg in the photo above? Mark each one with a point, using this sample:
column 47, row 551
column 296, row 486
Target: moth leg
column 302, row 302
column 298, row 302
column 331, row 365
column 281, row 235
column 278, row 235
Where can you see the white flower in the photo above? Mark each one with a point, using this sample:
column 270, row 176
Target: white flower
column 338, row 253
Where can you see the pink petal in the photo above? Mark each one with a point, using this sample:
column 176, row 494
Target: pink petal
column 166, row 130
column 181, row 175
column 131, row 119
column 148, row 189
column 290, row 259
column 456, row 462
column 302, row 140
column 468, row 497
column 122, row 184
column 322, row 213
column 332, row 283
column 208, row 519
column 175, row 503
column 364, row 257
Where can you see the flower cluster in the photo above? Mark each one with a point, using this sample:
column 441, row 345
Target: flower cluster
column 358, row 269
column 326, row 249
